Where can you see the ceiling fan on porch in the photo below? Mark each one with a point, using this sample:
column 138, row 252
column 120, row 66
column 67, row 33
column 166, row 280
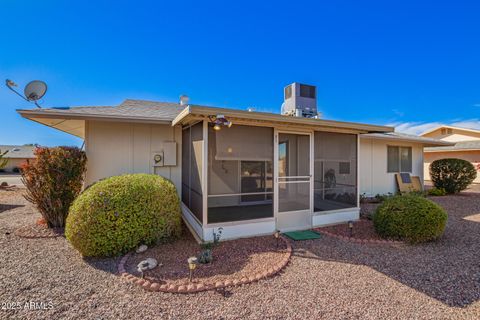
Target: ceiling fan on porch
column 219, row 121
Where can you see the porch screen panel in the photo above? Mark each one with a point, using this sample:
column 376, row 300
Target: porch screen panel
column 192, row 151
column 335, row 171
column 240, row 175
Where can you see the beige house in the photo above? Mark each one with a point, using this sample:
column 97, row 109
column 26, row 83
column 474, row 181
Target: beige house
column 466, row 145
column 16, row 155
column 250, row 173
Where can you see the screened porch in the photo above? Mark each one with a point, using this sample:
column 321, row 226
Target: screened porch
column 252, row 173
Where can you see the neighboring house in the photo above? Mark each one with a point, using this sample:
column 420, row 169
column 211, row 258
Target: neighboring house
column 15, row 156
column 466, row 146
column 265, row 172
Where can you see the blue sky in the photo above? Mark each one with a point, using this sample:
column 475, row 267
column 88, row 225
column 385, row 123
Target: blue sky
column 412, row 64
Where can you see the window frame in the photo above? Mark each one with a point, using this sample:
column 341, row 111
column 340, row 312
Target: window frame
column 399, row 160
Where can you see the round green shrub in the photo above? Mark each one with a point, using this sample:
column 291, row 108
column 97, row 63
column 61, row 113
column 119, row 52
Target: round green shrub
column 119, row 213
column 453, row 175
column 410, row 217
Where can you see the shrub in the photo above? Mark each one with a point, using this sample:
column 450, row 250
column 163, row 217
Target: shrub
column 453, row 175
column 53, row 180
column 411, row 218
column 119, row 213
column 436, row 192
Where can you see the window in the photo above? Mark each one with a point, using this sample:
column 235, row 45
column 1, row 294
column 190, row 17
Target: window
column 307, row 91
column 240, row 174
column 399, row 159
column 192, row 150
column 335, row 171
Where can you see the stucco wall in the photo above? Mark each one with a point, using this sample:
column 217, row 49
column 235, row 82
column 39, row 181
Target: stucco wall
column 456, row 135
column 13, row 163
column 374, row 178
column 115, row 148
column 472, row 156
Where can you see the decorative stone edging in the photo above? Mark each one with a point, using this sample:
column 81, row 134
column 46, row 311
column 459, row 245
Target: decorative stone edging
column 357, row 240
column 199, row 287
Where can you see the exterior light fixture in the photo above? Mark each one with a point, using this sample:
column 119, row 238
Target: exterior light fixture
column 192, row 264
column 219, row 121
column 350, row 227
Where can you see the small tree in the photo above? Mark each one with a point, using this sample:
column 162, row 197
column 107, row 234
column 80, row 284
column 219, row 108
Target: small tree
column 53, row 180
column 453, row 175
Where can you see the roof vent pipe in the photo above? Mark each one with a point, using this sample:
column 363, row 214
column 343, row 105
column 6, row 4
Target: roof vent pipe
column 184, row 100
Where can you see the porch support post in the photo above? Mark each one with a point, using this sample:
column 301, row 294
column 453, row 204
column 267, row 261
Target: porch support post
column 275, row 176
column 357, row 170
column 312, row 176
column 205, row 177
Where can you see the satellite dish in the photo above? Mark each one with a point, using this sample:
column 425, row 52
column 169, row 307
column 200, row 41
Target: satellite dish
column 35, row 90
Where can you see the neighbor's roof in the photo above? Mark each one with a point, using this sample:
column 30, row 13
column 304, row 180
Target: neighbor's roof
column 450, row 127
column 471, row 145
column 72, row 119
column 17, row 152
column 397, row 136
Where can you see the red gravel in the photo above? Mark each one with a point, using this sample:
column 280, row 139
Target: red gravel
column 232, row 260
column 327, row 278
column 362, row 229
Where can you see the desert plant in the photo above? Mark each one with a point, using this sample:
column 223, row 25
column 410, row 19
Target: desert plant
column 53, row 180
column 411, row 218
column 206, row 255
column 453, row 175
column 119, row 213
column 436, row 192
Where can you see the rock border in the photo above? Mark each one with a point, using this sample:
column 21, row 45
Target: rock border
column 199, row 287
column 358, row 240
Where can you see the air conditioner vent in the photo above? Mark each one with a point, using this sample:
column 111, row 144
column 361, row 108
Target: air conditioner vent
column 300, row 100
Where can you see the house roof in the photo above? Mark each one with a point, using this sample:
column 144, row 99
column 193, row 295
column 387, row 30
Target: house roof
column 471, row 145
column 397, row 136
column 450, row 127
column 72, row 119
column 18, row 152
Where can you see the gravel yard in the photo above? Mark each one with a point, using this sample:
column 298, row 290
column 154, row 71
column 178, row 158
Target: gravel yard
column 326, row 278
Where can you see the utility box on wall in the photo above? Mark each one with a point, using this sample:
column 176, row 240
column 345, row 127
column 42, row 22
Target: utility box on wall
column 166, row 155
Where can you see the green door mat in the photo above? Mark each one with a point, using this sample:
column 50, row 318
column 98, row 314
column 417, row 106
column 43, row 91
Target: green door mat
column 302, row 235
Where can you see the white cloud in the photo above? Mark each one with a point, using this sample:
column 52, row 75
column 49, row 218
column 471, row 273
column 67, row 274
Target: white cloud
column 417, row 128
column 398, row 112
column 469, row 124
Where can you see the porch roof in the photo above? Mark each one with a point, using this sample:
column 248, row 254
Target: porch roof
column 194, row 113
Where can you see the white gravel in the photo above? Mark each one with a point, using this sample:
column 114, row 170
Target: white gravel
column 326, row 279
